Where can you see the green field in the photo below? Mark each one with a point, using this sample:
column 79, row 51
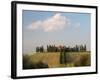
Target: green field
column 52, row 60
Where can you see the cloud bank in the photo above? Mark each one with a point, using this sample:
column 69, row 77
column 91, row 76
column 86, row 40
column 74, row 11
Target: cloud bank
column 53, row 23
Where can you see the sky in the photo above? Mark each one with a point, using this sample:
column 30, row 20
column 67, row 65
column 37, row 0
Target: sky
column 54, row 28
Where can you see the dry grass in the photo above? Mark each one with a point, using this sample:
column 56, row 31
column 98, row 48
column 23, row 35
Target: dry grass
column 53, row 59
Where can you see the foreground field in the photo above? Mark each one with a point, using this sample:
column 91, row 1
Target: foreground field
column 52, row 60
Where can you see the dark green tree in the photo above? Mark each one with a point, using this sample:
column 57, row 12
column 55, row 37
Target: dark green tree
column 85, row 47
column 37, row 49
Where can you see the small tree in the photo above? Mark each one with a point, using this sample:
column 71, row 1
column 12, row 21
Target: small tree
column 85, row 47
column 76, row 48
column 37, row 49
column 41, row 49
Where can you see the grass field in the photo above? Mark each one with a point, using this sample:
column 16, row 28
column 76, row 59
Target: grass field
column 74, row 59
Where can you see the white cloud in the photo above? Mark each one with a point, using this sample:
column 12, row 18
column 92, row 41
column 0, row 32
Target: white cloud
column 35, row 25
column 53, row 23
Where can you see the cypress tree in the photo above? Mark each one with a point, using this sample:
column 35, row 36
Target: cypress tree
column 61, row 62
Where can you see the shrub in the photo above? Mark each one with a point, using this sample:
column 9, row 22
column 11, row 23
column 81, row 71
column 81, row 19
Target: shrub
column 33, row 65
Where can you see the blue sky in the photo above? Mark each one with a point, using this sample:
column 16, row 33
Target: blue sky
column 59, row 28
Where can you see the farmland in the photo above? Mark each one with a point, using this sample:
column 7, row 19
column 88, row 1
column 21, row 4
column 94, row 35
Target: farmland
column 54, row 60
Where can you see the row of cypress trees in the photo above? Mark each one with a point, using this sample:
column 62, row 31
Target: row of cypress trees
column 53, row 48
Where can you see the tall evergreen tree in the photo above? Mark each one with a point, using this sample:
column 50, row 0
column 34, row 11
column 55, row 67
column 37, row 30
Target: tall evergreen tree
column 85, row 47
column 37, row 49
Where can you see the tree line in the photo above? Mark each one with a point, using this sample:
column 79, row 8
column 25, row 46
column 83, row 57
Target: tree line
column 53, row 48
